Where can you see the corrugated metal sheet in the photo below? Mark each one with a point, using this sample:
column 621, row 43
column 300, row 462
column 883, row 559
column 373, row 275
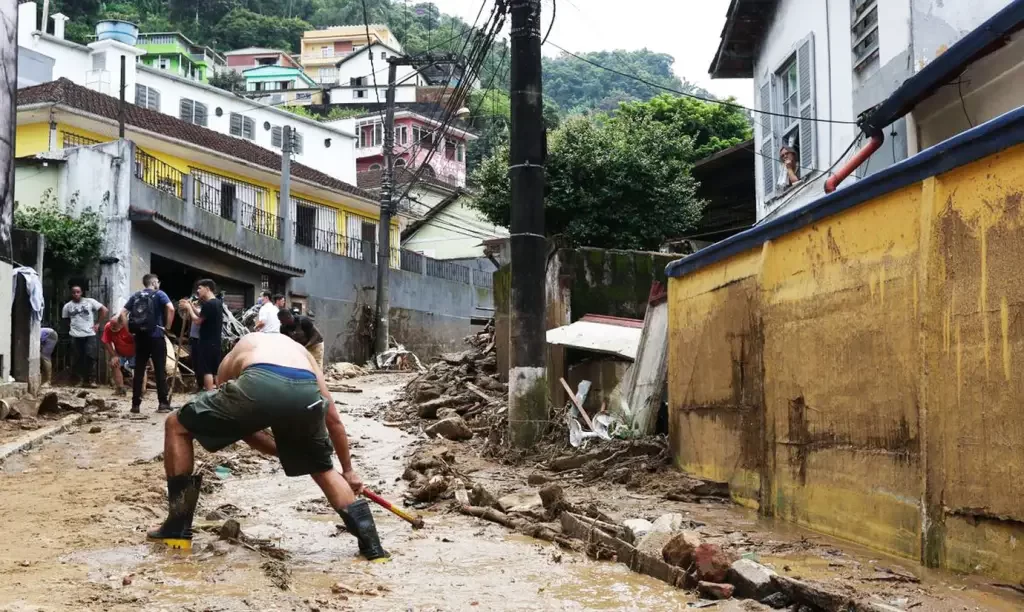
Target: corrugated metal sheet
column 603, row 338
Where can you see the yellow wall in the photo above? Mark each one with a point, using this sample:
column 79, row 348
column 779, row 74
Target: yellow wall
column 34, row 138
column 863, row 376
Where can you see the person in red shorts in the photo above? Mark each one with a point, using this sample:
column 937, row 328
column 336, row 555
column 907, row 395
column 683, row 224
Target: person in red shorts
column 120, row 346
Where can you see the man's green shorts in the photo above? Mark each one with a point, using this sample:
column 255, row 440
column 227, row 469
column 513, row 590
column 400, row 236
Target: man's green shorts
column 284, row 399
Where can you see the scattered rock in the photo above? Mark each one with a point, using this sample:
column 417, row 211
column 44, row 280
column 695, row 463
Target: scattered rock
column 679, row 551
column 434, row 488
column 751, row 579
column 230, row 530
column 479, row 496
column 426, row 393
column 127, row 580
column 520, row 502
column 447, row 413
column 712, row 563
column 715, row 590
column 777, row 601
column 653, row 543
column 95, row 429
column 537, row 479
column 83, row 395
column 49, row 404
column 454, row 428
column 344, row 369
column 5, row 409
column 668, row 523
column 457, row 358
column 428, row 410
column 636, row 529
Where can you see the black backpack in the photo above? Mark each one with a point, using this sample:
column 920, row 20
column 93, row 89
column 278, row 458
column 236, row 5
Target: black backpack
column 142, row 316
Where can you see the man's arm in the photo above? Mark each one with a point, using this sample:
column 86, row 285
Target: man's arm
column 103, row 313
column 336, row 430
column 64, row 312
column 168, row 315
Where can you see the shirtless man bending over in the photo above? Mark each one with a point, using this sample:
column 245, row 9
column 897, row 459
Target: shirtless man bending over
column 271, row 382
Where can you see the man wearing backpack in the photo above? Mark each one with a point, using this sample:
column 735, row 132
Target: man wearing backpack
column 148, row 314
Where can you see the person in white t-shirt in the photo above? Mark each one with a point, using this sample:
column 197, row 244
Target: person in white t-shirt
column 267, row 322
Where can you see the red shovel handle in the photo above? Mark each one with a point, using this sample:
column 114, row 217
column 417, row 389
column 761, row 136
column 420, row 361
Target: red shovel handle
column 416, row 521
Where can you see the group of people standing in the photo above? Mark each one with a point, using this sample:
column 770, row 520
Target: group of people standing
column 136, row 336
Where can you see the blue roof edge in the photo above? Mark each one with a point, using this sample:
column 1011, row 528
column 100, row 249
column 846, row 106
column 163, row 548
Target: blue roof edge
column 986, row 139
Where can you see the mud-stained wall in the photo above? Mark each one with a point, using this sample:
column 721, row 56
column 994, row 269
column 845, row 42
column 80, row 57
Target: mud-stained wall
column 862, row 375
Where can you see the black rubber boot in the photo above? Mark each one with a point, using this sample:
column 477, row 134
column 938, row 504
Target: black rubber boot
column 359, row 522
column 182, row 498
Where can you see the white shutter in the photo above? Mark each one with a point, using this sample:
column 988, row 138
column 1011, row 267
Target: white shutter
column 236, row 124
column 768, row 152
column 140, row 95
column 186, row 110
column 805, row 75
column 200, row 114
column 296, row 142
column 153, row 99
column 276, row 139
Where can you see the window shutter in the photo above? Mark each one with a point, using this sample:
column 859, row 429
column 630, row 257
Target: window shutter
column 248, row 128
column 200, row 114
column 140, row 95
column 276, row 139
column 768, row 162
column 296, row 142
column 805, row 73
column 154, row 99
column 185, row 110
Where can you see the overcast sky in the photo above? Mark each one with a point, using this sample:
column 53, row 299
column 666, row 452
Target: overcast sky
column 688, row 30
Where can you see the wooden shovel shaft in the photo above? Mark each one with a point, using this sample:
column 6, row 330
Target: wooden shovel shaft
column 416, row 521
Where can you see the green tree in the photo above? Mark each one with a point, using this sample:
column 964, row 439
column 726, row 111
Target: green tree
column 615, row 182
column 244, row 28
column 228, row 80
column 712, row 127
column 73, row 242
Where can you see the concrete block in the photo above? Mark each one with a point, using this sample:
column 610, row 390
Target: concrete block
column 668, row 523
column 636, row 529
column 751, row 579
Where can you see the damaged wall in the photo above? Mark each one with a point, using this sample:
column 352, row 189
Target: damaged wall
column 861, row 375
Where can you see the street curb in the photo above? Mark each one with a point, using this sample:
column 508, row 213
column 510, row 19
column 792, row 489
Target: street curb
column 35, row 437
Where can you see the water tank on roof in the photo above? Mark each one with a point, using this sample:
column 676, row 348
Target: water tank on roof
column 115, row 29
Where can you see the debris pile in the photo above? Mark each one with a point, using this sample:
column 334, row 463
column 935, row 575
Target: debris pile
column 396, row 359
column 460, row 392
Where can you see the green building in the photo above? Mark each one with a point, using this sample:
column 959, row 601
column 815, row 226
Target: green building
column 173, row 52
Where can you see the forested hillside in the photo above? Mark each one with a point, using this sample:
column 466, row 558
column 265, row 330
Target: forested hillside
column 572, row 85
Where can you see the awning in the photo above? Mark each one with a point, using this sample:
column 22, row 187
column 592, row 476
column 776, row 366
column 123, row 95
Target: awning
column 600, row 334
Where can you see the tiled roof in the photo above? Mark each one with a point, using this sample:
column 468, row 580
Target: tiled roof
column 67, row 93
column 370, row 179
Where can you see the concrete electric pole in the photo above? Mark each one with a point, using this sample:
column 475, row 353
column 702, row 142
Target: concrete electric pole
column 527, row 388
column 387, row 204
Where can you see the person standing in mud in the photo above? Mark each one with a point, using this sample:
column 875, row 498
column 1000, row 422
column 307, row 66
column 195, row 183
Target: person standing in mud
column 301, row 329
column 81, row 311
column 267, row 380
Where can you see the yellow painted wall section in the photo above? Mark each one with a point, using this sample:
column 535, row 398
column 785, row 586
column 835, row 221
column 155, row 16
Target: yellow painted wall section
column 862, row 376
column 31, row 139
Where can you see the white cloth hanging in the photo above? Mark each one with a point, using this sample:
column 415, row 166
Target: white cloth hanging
column 34, row 286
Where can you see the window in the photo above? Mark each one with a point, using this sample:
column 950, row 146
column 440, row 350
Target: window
column 192, row 111
column 359, row 93
column 864, row 34
column 375, row 167
column 297, row 142
column 276, row 137
column 328, row 75
column 147, row 97
column 460, row 152
column 164, row 63
column 327, row 51
column 242, row 126
column 357, row 81
column 383, row 55
column 266, row 61
column 420, row 134
column 99, row 61
column 400, row 163
column 788, row 91
column 401, row 135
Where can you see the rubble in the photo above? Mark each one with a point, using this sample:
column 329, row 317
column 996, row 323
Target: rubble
column 715, row 590
column 636, row 529
column 712, row 563
column 453, row 428
column 752, row 579
column 679, row 551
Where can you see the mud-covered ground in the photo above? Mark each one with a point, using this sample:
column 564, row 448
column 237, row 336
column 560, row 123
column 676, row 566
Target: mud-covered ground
column 74, row 512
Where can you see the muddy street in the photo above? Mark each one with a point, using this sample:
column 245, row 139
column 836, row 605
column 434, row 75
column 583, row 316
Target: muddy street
column 76, row 509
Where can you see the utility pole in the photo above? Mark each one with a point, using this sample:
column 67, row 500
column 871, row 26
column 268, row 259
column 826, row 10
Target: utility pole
column 120, row 104
column 386, row 208
column 527, row 380
column 285, row 205
column 387, row 186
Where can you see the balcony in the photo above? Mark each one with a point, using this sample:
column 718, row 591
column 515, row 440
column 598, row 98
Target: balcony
column 229, row 217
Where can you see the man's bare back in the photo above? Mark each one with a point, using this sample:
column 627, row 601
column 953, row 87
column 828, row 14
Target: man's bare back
column 274, row 349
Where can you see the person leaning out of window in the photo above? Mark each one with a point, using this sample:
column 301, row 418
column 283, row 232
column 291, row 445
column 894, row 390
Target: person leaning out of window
column 789, row 157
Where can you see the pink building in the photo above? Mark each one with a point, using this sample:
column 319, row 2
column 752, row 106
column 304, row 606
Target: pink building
column 250, row 57
column 415, row 136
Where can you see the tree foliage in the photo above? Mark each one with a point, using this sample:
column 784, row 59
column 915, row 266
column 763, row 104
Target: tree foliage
column 228, row 80
column 73, row 242
column 615, row 182
column 577, row 85
column 712, row 127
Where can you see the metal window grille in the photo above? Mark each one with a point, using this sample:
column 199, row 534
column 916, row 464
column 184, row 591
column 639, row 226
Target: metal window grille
column 261, row 221
column 447, row 270
column 77, row 140
column 221, row 195
column 158, row 173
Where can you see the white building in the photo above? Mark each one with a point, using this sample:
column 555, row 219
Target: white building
column 326, row 148
column 359, row 72
column 821, row 66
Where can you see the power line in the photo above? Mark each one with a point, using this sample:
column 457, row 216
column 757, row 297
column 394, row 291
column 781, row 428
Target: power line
column 695, row 96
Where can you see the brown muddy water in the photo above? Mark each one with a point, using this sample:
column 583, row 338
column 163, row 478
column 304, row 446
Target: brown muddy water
column 75, row 513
